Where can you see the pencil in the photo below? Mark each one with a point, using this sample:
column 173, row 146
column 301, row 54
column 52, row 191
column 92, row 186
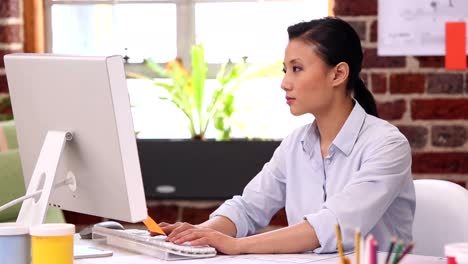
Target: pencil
column 363, row 253
column 339, row 244
column 407, row 250
column 389, row 254
column 357, row 245
column 398, row 251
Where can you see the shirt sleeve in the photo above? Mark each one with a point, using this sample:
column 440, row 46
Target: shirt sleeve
column 263, row 196
column 369, row 193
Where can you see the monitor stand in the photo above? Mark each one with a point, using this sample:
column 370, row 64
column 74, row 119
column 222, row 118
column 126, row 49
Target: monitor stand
column 33, row 210
column 36, row 199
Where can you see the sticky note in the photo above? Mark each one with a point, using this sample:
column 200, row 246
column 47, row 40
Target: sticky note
column 455, row 45
column 153, row 227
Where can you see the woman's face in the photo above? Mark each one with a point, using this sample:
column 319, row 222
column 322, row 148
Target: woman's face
column 308, row 80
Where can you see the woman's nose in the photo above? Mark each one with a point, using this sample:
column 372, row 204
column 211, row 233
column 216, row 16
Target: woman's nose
column 285, row 84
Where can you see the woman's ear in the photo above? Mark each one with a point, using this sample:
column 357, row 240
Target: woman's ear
column 340, row 73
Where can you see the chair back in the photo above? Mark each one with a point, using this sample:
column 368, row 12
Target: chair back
column 441, row 216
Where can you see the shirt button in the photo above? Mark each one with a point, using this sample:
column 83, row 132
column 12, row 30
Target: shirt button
column 327, row 161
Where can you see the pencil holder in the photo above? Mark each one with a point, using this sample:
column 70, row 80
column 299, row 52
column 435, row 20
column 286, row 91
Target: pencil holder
column 52, row 243
column 15, row 243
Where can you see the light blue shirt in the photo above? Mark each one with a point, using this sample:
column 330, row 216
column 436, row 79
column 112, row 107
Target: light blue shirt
column 365, row 181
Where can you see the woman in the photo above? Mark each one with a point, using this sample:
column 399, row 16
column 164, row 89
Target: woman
column 348, row 167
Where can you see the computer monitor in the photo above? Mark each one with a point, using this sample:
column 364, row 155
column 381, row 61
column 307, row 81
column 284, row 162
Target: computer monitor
column 74, row 126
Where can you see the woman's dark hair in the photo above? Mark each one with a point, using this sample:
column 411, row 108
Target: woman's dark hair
column 336, row 41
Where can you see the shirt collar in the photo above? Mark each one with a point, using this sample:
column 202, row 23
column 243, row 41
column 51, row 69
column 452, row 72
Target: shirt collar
column 345, row 139
column 349, row 133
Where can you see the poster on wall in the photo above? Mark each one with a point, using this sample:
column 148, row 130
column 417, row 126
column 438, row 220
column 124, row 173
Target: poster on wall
column 416, row 27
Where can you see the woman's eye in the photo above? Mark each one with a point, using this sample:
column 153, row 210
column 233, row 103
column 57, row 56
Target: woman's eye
column 296, row 68
column 284, row 70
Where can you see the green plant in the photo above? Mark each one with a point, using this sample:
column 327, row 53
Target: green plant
column 5, row 107
column 187, row 90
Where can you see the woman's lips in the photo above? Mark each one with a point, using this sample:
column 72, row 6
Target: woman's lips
column 290, row 100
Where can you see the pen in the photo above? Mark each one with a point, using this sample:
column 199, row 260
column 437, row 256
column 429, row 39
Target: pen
column 367, row 249
column 357, row 244
column 398, row 251
column 407, row 250
column 339, row 244
column 389, row 254
column 372, row 249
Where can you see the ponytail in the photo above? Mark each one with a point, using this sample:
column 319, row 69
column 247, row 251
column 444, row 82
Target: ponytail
column 365, row 98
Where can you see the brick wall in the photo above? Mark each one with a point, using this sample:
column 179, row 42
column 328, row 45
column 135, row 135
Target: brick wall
column 428, row 103
column 11, row 30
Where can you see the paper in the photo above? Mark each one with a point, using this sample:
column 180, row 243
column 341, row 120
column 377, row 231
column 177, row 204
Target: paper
column 416, row 27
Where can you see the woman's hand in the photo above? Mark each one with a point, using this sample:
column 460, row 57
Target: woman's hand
column 168, row 228
column 179, row 233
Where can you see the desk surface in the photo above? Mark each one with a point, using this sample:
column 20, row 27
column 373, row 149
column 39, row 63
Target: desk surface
column 125, row 257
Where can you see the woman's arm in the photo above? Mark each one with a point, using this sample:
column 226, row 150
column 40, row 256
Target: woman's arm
column 221, row 224
column 218, row 223
column 292, row 239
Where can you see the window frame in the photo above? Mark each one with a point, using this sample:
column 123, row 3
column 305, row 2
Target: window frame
column 185, row 24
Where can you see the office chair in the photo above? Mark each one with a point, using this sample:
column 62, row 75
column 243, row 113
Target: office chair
column 441, row 216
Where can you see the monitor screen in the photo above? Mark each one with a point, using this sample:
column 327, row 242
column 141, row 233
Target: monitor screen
column 86, row 97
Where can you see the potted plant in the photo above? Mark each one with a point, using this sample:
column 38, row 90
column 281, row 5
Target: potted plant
column 5, row 107
column 199, row 168
column 188, row 91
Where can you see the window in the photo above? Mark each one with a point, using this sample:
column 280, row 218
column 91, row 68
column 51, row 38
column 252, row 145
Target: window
column 164, row 29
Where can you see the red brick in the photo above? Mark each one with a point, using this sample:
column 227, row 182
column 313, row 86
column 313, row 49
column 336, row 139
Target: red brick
column 466, row 83
column 9, row 8
column 372, row 60
column 3, row 84
column 196, row 215
column 279, row 219
column 379, row 83
column 374, row 31
column 355, row 7
column 448, row 136
column 431, row 61
column 360, row 28
column 392, row 110
column 5, row 52
column 439, row 109
column 461, row 183
column 445, row 162
column 162, row 213
column 416, row 135
column 447, row 83
column 406, row 83
column 10, row 34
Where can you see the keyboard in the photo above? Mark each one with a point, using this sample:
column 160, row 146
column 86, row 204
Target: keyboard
column 140, row 241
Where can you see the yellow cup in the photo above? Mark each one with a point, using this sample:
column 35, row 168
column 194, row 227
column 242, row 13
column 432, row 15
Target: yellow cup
column 52, row 243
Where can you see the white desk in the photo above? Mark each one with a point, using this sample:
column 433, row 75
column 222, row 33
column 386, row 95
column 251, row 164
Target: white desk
column 125, row 257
